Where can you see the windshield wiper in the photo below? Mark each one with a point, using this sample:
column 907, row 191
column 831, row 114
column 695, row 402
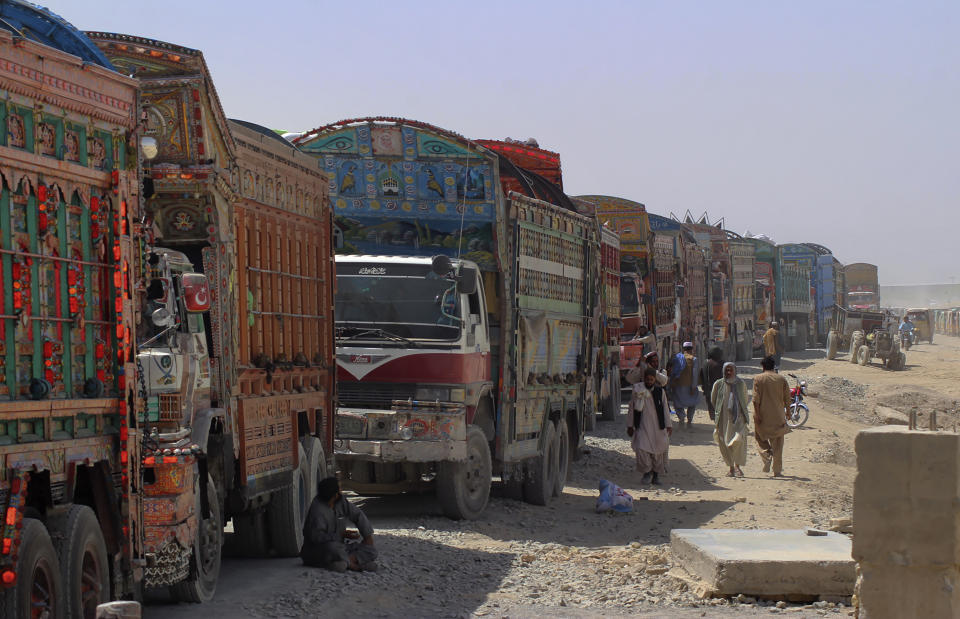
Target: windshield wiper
column 378, row 332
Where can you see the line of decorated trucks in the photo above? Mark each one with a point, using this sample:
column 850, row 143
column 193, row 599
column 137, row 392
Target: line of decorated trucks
column 200, row 318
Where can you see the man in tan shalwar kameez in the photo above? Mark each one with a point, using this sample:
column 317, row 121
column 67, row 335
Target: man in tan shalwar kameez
column 771, row 397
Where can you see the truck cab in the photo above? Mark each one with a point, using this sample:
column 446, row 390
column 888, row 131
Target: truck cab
column 414, row 367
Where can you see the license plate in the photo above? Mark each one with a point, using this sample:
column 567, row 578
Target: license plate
column 349, row 426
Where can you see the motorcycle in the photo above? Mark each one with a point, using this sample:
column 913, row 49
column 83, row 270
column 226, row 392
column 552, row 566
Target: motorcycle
column 798, row 412
column 906, row 338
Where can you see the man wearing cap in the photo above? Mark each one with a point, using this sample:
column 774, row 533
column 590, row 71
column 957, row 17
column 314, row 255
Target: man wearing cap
column 771, row 343
column 686, row 368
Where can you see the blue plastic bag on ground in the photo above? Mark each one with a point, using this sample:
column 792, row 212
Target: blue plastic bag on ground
column 613, row 497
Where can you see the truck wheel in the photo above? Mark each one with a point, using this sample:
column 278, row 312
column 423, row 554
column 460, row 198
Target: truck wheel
column 316, row 465
column 84, row 569
column 856, row 340
column 207, row 548
column 39, row 588
column 464, row 487
column 287, row 511
column 542, row 470
column 832, row 344
column 250, row 529
column 563, row 457
column 863, row 355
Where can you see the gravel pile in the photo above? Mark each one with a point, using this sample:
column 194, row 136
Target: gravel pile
column 843, row 386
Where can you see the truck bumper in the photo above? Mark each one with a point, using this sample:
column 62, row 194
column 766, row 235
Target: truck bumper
column 400, row 450
column 411, row 432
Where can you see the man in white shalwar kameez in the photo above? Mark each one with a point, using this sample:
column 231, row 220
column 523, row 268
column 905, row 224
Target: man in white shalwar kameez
column 650, row 427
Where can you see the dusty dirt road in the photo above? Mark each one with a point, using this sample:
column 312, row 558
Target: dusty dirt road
column 564, row 560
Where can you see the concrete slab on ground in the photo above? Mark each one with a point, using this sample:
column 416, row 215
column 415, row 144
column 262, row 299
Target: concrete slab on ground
column 771, row 564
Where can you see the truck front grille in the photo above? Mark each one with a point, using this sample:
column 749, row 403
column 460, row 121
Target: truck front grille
column 373, row 395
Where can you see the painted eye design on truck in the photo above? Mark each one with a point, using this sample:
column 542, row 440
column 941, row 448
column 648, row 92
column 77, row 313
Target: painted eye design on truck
column 339, row 143
column 436, row 147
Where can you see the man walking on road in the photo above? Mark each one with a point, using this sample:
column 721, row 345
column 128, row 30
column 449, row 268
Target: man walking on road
column 771, row 397
column 686, row 372
column 650, row 427
column 771, row 343
column 711, row 373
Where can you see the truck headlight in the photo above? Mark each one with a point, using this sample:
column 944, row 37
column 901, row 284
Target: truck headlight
column 458, row 395
column 430, row 394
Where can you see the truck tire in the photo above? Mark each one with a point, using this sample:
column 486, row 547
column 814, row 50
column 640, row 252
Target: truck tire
column 39, row 589
column 287, row 511
column 856, row 340
column 250, row 529
column 207, row 550
column 542, row 470
column 863, row 355
column 316, row 465
column 833, row 342
column 84, row 567
column 563, row 457
column 463, row 488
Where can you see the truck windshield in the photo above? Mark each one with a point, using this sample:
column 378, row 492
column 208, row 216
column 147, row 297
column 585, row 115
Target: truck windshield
column 407, row 306
column 629, row 302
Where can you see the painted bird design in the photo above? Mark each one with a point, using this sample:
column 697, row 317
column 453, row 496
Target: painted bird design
column 432, row 183
column 348, row 182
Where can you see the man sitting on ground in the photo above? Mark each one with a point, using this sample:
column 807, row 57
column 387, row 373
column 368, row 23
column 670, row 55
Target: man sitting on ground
column 326, row 540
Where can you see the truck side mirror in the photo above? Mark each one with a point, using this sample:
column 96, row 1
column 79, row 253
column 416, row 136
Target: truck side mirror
column 467, row 280
column 161, row 317
column 441, row 265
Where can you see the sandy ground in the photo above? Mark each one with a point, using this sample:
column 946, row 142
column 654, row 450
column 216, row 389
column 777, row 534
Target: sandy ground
column 564, row 560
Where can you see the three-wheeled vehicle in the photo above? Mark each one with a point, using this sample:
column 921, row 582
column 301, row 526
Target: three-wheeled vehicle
column 922, row 319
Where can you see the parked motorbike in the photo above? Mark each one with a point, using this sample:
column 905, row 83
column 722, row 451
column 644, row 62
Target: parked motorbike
column 798, row 412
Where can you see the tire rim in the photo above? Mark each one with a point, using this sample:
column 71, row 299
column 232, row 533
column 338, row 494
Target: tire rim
column 90, row 583
column 472, row 473
column 41, row 592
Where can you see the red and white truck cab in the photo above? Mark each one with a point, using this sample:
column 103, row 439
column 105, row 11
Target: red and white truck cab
column 414, row 368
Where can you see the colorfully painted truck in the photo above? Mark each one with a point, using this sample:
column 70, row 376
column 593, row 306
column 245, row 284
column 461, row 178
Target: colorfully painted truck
column 71, row 486
column 463, row 317
column 247, row 387
column 723, row 327
column 694, row 306
column 628, row 219
column 794, row 294
column 862, row 287
column 824, row 288
column 665, row 261
column 765, row 259
column 744, row 294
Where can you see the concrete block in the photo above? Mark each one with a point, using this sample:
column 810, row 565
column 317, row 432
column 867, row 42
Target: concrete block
column 772, row 564
column 890, row 416
column 895, row 592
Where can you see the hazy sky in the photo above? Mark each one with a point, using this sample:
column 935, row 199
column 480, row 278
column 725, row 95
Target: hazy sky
column 809, row 121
